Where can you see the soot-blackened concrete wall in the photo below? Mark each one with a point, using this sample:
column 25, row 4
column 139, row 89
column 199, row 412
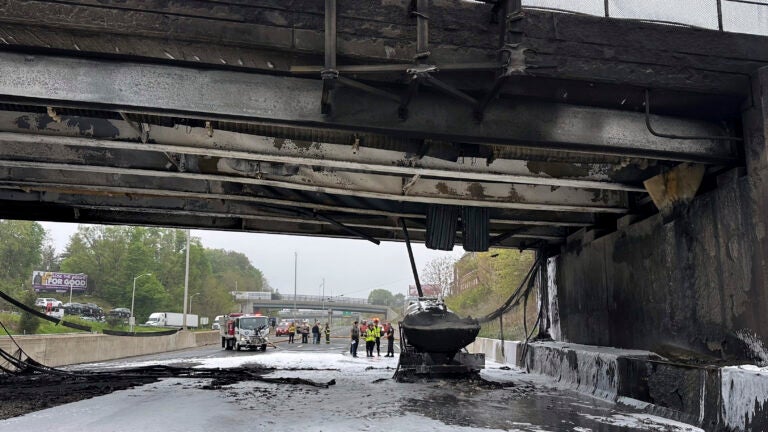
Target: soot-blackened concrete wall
column 697, row 282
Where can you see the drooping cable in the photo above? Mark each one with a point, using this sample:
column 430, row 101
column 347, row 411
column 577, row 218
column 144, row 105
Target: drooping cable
column 513, row 299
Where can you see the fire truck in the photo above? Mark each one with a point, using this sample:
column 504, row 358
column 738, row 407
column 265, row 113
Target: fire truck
column 247, row 331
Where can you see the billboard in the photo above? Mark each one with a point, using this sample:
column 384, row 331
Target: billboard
column 43, row 281
column 429, row 290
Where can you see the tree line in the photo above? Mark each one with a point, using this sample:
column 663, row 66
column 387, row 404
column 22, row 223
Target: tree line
column 112, row 256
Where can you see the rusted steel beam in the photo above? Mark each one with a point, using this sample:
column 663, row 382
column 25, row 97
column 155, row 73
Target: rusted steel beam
column 329, row 73
column 66, row 194
column 235, row 146
column 524, row 197
column 212, row 95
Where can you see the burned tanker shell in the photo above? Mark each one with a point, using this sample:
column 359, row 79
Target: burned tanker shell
column 430, row 327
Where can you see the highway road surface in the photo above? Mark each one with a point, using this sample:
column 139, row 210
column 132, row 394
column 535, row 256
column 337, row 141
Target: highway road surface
column 306, row 387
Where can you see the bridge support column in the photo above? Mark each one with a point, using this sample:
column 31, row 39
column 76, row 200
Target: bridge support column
column 695, row 285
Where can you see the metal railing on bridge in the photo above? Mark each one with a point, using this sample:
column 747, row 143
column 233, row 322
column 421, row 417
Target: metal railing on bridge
column 267, row 296
column 737, row 16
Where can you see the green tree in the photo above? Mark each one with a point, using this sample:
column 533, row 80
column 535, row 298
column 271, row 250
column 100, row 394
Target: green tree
column 113, row 256
column 494, row 275
column 21, row 244
column 150, row 297
column 28, row 323
column 49, row 261
column 398, row 300
column 381, row 297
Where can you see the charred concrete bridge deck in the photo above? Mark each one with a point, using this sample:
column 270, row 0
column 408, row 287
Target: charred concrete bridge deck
column 210, row 114
column 630, row 154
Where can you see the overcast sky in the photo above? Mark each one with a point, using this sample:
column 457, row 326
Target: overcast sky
column 350, row 267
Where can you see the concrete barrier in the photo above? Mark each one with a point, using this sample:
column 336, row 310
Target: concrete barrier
column 712, row 397
column 68, row 349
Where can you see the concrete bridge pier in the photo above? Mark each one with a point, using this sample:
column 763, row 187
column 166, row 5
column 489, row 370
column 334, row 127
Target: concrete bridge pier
column 693, row 289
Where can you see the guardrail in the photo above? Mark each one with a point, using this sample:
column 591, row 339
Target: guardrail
column 737, row 16
column 260, row 296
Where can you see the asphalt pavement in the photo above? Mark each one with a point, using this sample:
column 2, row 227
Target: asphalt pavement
column 346, row 394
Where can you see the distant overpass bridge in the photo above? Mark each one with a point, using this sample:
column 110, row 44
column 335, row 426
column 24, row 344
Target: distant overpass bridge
column 345, row 304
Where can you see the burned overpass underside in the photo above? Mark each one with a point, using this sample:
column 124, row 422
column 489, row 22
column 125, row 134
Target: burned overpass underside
column 631, row 154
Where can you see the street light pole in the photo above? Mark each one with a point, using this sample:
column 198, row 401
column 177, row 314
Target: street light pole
column 190, row 302
column 70, row 290
column 132, row 320
column 186, row 287
column 295, row 272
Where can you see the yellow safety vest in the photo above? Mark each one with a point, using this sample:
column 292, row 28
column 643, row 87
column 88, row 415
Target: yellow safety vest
column 370, row 335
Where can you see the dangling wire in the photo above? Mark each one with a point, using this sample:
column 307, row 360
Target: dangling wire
column 514, row 299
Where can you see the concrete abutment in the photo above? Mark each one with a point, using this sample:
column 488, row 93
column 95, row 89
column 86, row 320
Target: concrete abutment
column 692, row 289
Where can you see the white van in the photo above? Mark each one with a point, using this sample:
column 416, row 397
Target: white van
column 44, row 301
column 217, row 322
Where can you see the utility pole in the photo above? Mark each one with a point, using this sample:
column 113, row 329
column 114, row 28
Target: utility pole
column 295, row 272
column 323, row 294
column 186, row 286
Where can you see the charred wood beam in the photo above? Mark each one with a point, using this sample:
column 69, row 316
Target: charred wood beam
column 224, row 95
column 273, row 37
column 509, row 42
column 420, row 9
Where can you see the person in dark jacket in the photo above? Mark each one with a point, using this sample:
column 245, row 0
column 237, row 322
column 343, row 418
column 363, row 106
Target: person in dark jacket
column 327, row 332
column 389, row 333
column 355, row 339
column 377, row 329
column 316, row 334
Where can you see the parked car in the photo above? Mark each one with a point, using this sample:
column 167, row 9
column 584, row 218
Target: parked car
column 92, row 310
column 281, row 329
column 124, row 313
column 57, row 312
column 43, row 302
column 73, row 308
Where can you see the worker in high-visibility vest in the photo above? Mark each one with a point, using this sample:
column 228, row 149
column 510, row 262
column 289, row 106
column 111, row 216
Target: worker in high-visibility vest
column 370, row 340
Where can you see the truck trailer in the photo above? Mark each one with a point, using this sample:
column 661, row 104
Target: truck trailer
column 171, row 319
column 247, row 331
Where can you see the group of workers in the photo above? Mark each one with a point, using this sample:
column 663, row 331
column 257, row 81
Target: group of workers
column 304, row 331
column 372, row 332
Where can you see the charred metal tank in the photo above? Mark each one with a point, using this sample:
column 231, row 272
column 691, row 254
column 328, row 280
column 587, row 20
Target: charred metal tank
column 432, row 338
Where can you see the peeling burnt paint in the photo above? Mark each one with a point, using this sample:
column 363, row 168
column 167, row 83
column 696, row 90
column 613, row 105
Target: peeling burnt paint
column 443, row 188
column 514, row 196
column 306, row 145
column 558, row 170
column 93, row 127
column 85, row 126
column 600, row 196
column 476, row 190
column 22, row 122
